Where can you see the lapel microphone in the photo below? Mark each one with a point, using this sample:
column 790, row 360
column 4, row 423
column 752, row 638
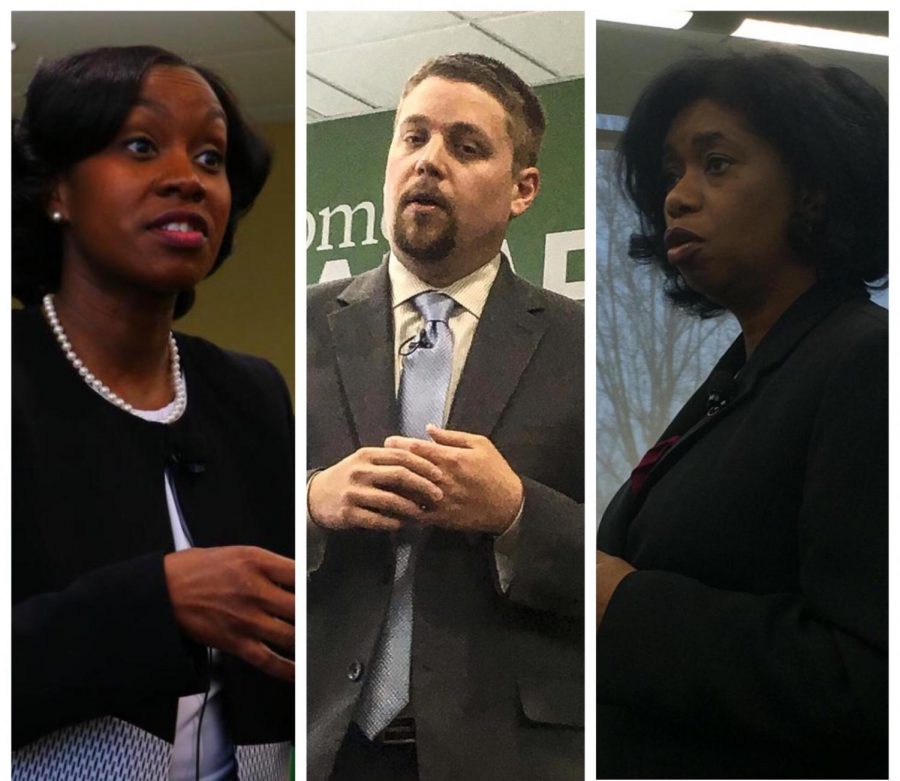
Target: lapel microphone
column 184, row 450
column 720, row 390
column 419, row 341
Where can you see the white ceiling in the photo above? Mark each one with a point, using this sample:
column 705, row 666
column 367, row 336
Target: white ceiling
column 358, row 62
column 252, row 51
column 629, row 56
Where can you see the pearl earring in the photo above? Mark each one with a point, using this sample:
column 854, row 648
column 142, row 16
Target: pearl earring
column 56, row 217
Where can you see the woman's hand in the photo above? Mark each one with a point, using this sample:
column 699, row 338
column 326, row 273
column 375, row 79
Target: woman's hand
column 610, row 571
column 239, row 599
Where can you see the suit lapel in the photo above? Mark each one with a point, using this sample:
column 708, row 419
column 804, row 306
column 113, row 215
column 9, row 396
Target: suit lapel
column 362, row 332
column 507, row 336
column 800, row 318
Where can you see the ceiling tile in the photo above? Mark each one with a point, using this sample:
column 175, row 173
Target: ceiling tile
column 283, row 19
column 555, row 39
column 329, row 102
column 330, row 31
column 486, row 14
column 189, row 33
column 377, row 72
column 255, row 58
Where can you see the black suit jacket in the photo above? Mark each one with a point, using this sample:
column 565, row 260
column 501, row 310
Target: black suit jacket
column 497, row 679
column 93, row 630
column 752, row 641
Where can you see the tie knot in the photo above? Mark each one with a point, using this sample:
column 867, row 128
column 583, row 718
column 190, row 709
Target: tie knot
column 434, row 306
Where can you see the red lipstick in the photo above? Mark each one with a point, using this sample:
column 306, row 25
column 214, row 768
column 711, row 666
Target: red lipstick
column 181, row 228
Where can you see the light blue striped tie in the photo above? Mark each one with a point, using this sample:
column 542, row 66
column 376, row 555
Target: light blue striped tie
column 423, row 392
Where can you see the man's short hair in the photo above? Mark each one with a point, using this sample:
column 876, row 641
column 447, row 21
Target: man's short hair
column 525, row 115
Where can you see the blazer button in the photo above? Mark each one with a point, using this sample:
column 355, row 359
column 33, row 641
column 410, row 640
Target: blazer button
column 355, row 670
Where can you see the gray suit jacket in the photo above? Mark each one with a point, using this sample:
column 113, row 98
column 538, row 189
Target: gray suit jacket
column 497, row 678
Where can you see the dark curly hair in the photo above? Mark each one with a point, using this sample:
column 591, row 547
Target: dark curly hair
column 830, row 128
column 526, row 121
column 74, row 108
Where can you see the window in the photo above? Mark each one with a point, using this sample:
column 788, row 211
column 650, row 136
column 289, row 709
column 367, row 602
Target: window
column 650, row 356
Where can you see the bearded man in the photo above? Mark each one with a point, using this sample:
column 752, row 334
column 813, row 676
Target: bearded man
column 446, row 466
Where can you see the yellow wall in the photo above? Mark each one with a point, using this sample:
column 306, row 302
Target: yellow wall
column 248, row 304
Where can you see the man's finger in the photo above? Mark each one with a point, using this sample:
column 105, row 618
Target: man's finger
column 399, row 479
column 447, row 436
column 422, row 447
column 446, row 456
column 399, row 456
column 389, row 504
column 396, row 442
column 362, row 518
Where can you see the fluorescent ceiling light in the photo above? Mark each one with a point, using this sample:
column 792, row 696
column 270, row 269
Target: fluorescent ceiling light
column 671, row 20
column 611, row 122
column 812, row 36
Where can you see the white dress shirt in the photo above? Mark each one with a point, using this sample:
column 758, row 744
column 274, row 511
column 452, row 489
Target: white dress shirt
column 470, row 294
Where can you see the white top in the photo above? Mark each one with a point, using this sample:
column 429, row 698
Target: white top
column 217, row 762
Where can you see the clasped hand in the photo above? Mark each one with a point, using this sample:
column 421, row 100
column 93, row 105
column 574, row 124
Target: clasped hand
column 239, row 599
column 456, row 481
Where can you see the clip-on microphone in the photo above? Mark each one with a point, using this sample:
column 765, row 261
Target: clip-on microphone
column 720, row 390
column 416, row 342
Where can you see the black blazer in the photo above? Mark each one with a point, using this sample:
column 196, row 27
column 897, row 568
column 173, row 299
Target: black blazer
column 93, row 629
column 497, row 679
column 752, row 640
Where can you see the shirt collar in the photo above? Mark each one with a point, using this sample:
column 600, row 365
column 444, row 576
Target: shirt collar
column 470, row 292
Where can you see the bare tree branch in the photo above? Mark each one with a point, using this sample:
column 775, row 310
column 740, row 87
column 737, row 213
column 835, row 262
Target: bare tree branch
column 650, row 356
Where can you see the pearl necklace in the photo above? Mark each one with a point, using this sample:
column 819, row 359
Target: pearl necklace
column 180, row 400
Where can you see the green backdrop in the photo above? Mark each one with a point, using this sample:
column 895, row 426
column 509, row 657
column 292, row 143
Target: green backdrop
column 345, row 172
